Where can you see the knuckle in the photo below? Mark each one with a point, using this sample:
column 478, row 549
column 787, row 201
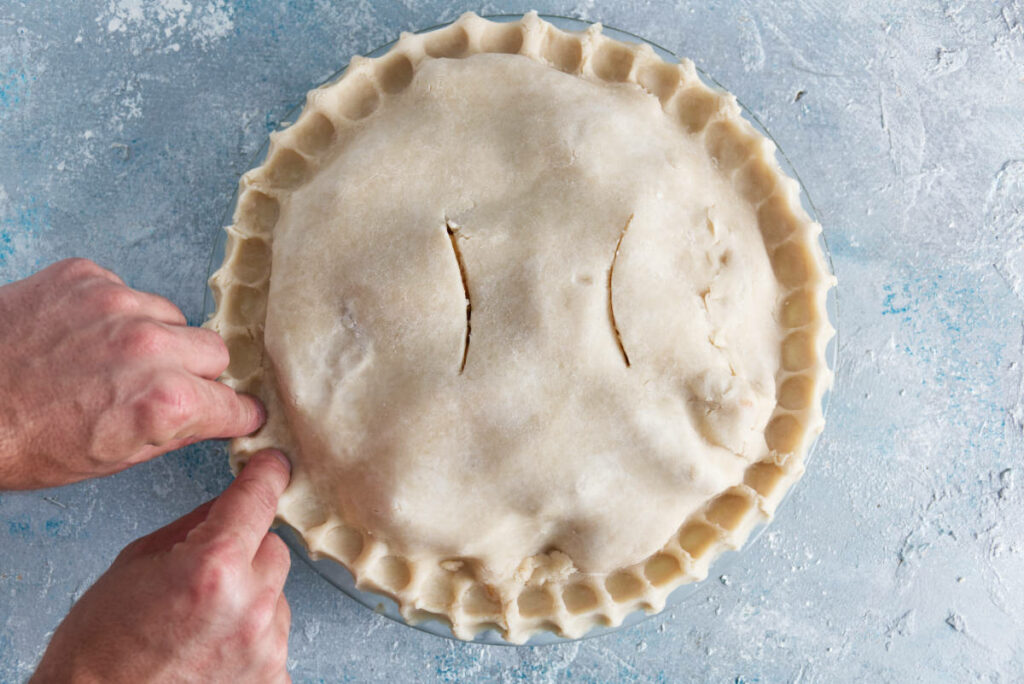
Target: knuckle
column 77, row 267
column 259, row 615
column 216, row 348
column 215, row 572
column 142, row 338
column 210, row 580
column 113, row 299
column 282, row 558
column 222, row 551
column 165, row 406
column 284, row 562
column 263, row 608
column 208, row 591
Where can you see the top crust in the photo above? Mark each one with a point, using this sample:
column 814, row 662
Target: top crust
column 545, row 331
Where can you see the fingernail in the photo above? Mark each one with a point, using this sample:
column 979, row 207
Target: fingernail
column 261, row 412
column 279, row 455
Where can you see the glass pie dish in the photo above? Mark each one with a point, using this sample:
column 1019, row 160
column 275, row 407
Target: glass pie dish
column 337, row 575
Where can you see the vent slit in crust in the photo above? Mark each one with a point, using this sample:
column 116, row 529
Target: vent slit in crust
column 453, row 238
column 611, row 303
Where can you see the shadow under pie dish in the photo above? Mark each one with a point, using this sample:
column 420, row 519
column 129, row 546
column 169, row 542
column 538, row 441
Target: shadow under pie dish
column 538, row 318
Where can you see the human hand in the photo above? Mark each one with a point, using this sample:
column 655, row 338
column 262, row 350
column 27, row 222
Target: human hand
column 96, row 377
column 198, row 600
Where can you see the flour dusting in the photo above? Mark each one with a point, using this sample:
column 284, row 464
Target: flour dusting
column 159, row 22
column 1004, row 220
column 751, row 45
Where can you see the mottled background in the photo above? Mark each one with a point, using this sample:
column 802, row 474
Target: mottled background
column 124, row 125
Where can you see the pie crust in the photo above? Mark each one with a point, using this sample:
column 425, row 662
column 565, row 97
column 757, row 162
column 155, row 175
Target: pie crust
column 546, row 328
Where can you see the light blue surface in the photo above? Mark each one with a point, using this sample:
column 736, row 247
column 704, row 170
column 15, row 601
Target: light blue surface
column 124, row 126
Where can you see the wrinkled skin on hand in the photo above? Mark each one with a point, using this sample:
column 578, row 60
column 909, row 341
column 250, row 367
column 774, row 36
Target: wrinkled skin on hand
column 97, row 377
column 199, row 600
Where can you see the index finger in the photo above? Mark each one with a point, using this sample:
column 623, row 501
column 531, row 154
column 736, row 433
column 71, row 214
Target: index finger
column 221, row 412
column 247, row 507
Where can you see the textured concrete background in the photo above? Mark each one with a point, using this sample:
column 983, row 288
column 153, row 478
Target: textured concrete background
column 124, row 125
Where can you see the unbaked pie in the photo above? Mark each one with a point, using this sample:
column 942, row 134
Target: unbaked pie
column 538, row 318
